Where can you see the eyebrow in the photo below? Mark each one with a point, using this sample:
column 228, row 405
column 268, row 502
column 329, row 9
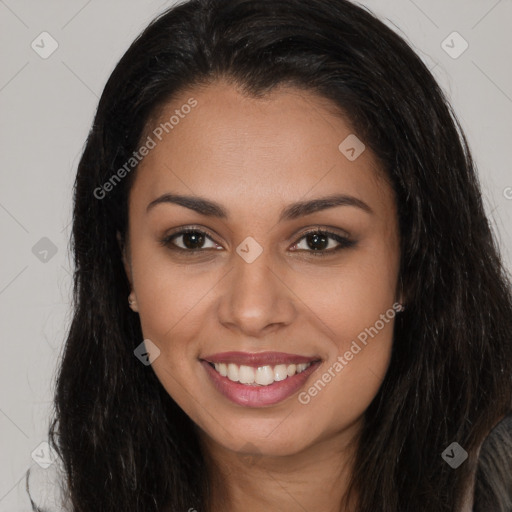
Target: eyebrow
column 293, row 211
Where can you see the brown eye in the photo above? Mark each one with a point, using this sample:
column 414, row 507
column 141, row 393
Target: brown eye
column 192, row 240
column 317, row 242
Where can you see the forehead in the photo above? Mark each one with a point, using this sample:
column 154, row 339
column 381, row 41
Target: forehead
column 230, row 146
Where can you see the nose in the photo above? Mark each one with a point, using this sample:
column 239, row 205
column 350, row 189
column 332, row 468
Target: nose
column 256, row 299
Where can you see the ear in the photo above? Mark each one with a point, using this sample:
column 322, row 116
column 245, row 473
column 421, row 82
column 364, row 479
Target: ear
column 126, row 263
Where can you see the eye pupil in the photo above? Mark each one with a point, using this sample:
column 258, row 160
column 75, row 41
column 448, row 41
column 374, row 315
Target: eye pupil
column 197, row 239
column 316, row 238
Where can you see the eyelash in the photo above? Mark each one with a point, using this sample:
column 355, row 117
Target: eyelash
column 344, row 242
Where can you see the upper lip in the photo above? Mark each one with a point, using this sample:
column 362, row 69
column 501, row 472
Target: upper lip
column 259, row 358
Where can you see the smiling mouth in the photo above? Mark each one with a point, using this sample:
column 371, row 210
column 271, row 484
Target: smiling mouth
column 259, row 379
column 259, row 368
column 259, row 375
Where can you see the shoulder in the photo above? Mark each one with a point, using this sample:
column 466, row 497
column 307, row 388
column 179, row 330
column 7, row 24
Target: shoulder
column 493, row 477
column 45, row 488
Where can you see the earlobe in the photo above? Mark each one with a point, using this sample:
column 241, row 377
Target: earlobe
column 132, row 302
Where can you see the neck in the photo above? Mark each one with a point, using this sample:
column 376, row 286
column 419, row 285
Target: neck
column 316, row 478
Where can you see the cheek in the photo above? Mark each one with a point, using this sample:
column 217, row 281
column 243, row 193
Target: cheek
column 354, row 309
column 171, row 304
column 350, row 297
column 358, row 359
column 168, row 294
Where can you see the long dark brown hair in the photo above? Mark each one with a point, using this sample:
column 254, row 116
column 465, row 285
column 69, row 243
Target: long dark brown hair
column 124, row 443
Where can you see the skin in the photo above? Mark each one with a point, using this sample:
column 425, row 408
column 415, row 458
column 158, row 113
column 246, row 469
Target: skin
column 255, row 157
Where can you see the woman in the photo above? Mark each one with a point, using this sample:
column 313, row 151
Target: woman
column 317, row 317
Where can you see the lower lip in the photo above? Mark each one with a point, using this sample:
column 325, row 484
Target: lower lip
column 259, row 396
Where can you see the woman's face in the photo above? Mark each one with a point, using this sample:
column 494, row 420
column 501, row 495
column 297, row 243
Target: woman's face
column 249, row 288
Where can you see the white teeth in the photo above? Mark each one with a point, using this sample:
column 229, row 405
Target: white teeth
column 262, row 375
column 232, row 372
column 246, row 374
column 280, row 372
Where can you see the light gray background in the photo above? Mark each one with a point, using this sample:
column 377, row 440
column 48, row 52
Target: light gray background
column 47, row 107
